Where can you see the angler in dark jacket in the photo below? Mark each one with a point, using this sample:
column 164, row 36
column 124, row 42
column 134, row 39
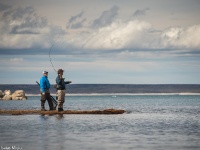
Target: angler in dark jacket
column 61, row 89
column 45, row 93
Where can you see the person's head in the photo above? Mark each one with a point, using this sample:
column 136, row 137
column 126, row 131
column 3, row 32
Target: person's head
column 60, row 71
column 45, row 73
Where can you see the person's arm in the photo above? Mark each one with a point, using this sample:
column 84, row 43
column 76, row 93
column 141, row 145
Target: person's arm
column 68, row 82
column 42, row 85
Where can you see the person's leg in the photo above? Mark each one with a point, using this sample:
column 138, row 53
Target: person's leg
column 59, row 94
column 62, row 99
column 43, row 99
column 48, row 97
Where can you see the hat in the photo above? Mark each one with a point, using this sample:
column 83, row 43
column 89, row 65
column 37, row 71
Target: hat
column 60, row 70
column 45, row 72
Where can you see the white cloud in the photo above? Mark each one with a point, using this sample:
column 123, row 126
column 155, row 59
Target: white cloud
column 23, row 28
column 177, row 37
column 21, row 41
column 120, row 35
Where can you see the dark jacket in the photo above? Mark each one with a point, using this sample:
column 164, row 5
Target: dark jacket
column 61, row 83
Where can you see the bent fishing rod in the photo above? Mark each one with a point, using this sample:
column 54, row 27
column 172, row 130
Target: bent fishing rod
column 52, row 62
column 50, row 58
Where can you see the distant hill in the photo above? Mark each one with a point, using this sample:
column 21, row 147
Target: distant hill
column 110, row 88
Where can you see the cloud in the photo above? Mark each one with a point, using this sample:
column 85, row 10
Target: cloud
column 106, row 18
column 76, row 21
column 139, row 13
column 4, row 7
column 23, row 21
column 181, row 38
column 79, row 24
column 74, row 18
column 120, row 35
column 23, row 31
column 23, row 28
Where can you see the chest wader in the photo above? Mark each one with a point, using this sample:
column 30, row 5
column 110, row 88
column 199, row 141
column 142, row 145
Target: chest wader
column 51, row 101
column 60, row 99
column 45, row 97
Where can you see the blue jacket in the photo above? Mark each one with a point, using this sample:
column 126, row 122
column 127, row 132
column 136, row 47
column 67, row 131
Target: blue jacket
column 44, row 83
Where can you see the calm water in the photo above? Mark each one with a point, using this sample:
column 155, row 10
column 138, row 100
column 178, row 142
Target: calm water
column 151, row 122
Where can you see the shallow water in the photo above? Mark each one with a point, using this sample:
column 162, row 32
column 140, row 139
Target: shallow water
column 151, row 122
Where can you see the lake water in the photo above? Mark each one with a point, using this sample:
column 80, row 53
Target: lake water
column 152, row 122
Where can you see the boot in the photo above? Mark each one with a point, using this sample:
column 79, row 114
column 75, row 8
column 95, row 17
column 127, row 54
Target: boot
column 60, row 109
column 42, row 106
column 43, row 109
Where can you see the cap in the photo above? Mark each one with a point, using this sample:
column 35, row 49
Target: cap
column 60, row 70
column 45, row 72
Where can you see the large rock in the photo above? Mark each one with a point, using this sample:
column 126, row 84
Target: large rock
column 7, row 92
column 7, row 97
column 19, row 95
column 1, row 94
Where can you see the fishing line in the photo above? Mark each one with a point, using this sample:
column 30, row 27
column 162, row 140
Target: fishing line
column 50, row 58
column 53, row 65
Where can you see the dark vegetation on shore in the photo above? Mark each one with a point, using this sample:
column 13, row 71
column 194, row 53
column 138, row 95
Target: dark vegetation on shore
column 109, row 88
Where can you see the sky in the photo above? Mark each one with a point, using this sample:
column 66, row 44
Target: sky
column 100, row 41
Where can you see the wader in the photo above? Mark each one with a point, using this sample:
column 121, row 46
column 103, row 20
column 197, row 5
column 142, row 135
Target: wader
column 61, row 99
column 45, row 97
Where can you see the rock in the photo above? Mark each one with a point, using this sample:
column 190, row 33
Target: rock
column 1, row 94
column 7, row 97
column 7, row 92
column 19, row 95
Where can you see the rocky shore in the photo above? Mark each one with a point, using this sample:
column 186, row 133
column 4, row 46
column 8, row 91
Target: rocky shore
column 8, row 95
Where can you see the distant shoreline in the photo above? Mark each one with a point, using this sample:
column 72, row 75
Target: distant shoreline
column 112, row 89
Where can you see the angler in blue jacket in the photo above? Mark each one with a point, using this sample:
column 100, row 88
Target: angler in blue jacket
column 45, row 93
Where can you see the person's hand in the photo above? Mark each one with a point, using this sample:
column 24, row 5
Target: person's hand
column 60, row 76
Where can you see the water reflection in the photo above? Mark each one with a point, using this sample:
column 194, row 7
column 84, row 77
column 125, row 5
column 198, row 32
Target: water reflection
column 43, row 117
column 57, row 116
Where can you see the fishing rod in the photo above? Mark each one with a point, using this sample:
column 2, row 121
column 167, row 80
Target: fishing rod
column 50, row 58
column 52, row 62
